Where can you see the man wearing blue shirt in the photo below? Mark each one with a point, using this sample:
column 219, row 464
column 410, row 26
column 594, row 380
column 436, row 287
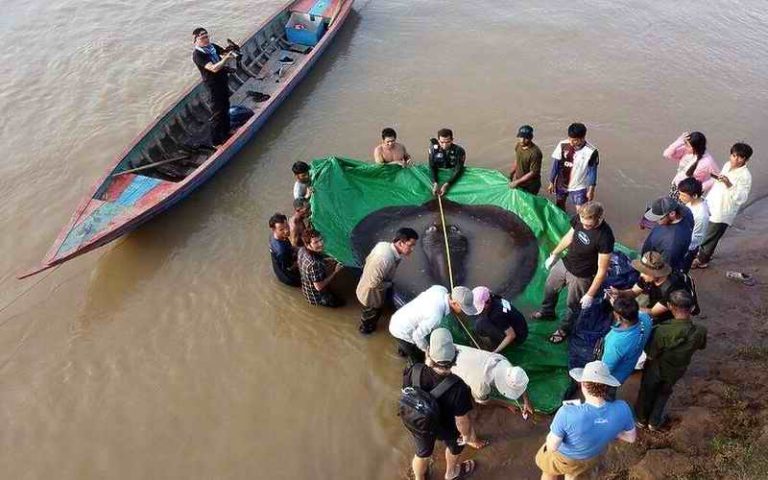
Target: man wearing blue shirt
column 672, row 236
column 580, row 433
column 625, row 341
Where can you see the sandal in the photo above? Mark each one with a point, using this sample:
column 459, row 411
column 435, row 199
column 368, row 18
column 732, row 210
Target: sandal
column 539, row 315
column 466, row 469
column 481, row 444
column 558, row 336
column 744, row 278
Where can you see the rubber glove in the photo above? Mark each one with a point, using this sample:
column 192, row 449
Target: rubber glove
column 586, row 301
column 550, row 261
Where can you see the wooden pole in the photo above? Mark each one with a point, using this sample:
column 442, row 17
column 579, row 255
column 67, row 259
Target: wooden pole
column 151, row 165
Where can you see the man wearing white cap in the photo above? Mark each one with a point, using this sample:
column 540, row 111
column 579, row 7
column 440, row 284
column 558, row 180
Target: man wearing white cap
column 483, row 370
column 412, row 324
column 454, row 400
column 580, row 433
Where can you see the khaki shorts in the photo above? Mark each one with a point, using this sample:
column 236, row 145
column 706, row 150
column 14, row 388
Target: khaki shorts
column 555, row 463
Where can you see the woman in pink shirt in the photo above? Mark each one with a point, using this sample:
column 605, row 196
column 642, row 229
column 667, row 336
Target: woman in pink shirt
column 693, row 160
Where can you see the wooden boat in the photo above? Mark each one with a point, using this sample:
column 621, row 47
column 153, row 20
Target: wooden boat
column 173, row 156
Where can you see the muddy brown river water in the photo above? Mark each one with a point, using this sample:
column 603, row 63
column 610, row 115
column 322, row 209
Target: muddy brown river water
column 174, row 353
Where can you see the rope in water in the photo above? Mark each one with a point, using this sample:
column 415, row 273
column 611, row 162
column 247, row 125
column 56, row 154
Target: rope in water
column 450, row 268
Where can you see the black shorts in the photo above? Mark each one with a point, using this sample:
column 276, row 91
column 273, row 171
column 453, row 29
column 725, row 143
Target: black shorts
column 425, row 445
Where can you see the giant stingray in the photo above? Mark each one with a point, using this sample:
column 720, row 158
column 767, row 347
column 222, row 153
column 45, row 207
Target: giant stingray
column 489, row 246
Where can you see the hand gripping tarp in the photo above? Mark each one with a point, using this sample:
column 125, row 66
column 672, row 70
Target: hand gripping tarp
column 346, row 191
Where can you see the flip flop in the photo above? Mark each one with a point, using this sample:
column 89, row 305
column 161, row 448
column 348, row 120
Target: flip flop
column 742, row 277
column 483, row 443
column 466, row 469
column 557, row 337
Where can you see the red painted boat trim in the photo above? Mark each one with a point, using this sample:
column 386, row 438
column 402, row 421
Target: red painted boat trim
column 166, row 191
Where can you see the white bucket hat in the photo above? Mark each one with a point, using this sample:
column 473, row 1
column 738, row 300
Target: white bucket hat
column 595, row 372
column 509, row 381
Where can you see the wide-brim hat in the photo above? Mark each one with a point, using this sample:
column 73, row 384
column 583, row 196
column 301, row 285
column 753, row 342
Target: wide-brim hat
column 595, row 372
column 509, row 381
column 653, row 264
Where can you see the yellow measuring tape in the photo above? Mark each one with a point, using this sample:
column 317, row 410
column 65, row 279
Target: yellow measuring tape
column 450, row 268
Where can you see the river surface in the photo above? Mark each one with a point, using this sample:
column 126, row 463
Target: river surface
column 174, row 353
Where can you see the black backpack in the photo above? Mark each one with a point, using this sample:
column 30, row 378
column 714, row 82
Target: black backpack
column 691, row 287
column 418, row 408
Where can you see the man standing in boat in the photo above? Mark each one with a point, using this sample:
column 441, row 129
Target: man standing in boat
column 443, row 153
column 211, row 60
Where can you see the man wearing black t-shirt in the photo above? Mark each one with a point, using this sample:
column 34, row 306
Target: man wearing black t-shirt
column 657, row 280
column 283, row 256
column 455, row 428
column 498, row 321
column 583, row 269
column 211, row 60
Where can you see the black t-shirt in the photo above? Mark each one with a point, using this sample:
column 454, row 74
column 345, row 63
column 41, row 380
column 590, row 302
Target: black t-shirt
column 202, row 59
column 501, row 315
column 284, row 262
column 451, row 158
column 456, row 402
column 660, row 293
column 581, row 259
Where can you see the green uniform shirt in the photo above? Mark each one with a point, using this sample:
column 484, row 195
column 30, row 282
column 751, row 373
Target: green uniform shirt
column 673, row 343
column 528, row 160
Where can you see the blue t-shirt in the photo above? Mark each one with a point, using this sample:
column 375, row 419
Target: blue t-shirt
column 672, row 241
column 587, row 430
column 624, row 346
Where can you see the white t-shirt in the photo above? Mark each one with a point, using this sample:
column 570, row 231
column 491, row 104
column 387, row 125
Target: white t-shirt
column 578, row 179
column 477, row 369
column 417, row 318
column 724, row 203
column 700, row 223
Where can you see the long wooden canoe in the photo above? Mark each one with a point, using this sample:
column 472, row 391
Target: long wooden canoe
column 172, row 156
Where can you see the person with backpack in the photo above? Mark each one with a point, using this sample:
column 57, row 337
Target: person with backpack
column 658, row 281
column 672, row 345
column 434, row 404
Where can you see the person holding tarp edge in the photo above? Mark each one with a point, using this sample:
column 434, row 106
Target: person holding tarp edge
column 443, row 153
column 211, row 60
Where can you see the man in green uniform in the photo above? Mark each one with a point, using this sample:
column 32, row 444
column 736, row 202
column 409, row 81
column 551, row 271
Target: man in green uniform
column 669, row 351
column 526, row 171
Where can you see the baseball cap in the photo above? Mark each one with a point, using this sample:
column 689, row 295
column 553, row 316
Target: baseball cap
column 480, row 296
column 660, row 208
column 526, row 131
column 464, row 296
column 653, row 264
column 441, row 347
column 594, row 372
column 509, row 381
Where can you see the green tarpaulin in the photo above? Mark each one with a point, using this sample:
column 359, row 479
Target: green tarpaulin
column 346, row 191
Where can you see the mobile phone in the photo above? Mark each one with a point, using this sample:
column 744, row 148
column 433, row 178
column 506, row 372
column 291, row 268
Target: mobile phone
column 715, row 176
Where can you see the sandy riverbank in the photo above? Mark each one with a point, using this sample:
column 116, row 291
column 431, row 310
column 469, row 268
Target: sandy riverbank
column 719, row 419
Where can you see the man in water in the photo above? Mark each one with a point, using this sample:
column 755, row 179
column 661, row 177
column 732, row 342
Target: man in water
column 211, row 60
column 313, row 268
column 378, row 273
column 283, row 255
column 390, row 151
column 526, row 171
column 574, row 168
column 299, row 221
column 443, row 153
